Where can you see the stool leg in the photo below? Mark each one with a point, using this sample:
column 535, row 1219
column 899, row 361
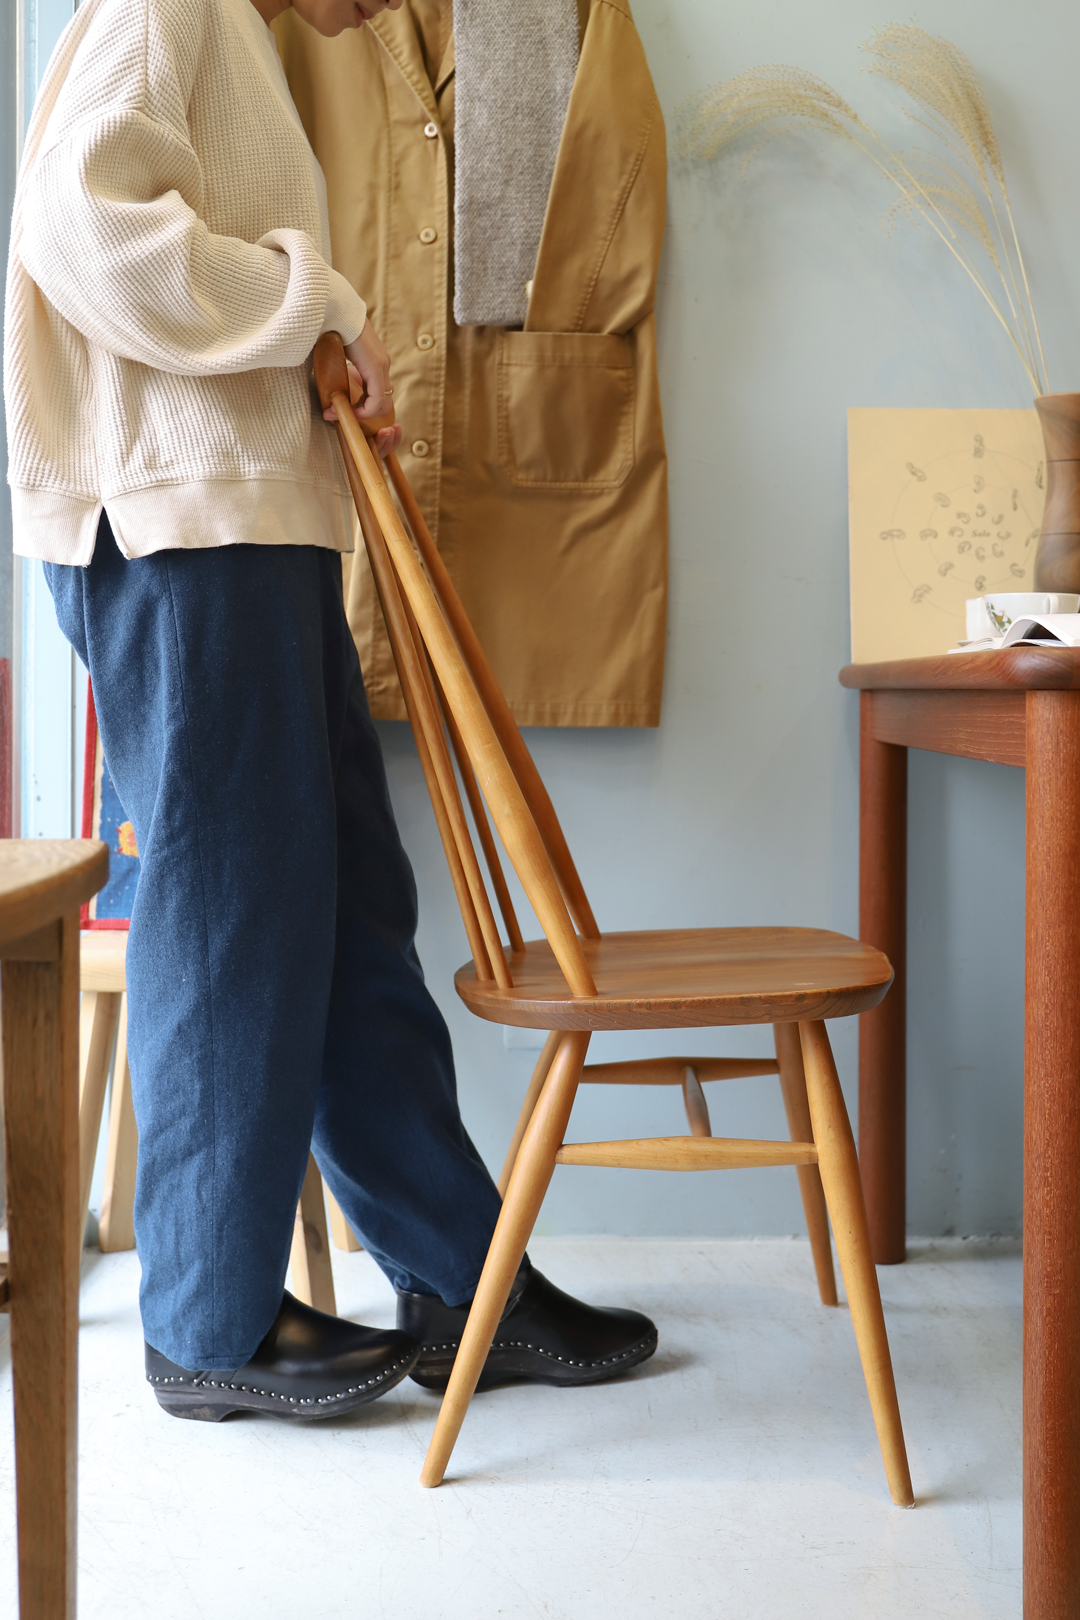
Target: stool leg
column 536, row 1086
column 41, row 1130
column 342, row 1233
column 98, row 1017
column 843, row 1190
column 797, row 1109
column 116, row 1229
column 529, row 1182
column 313, row 1276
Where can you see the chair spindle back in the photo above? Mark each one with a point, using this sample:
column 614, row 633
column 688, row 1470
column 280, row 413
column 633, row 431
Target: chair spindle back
column 517, row 754
column 425, row 624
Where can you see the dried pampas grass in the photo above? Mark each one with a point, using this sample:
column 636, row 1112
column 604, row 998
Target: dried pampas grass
column 959, row 191
column 763, row 97
column 938, row 76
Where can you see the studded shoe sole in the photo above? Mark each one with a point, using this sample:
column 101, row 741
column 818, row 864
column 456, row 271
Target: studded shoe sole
column 509, row 1361
column 309, row 1365
column 208, row 1400
column 544, row 1337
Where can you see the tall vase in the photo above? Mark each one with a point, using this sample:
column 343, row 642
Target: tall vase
column 1057, row 559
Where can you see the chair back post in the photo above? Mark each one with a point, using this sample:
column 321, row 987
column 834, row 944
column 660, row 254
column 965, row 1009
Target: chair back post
column 469, row 889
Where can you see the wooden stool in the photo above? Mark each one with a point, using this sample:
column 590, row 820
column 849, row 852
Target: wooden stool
column 103, row 1033
column 43, row 882
column 103, row 1047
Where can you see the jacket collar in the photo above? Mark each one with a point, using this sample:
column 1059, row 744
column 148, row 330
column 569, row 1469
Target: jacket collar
column 396, row 32
column 446, row 67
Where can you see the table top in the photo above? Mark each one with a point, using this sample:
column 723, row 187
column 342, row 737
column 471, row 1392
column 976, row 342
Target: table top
column 1022, row 668
column 42, row 878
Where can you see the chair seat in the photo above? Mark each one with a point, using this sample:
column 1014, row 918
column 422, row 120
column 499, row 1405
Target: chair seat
column 679, row 978
column 102, row 958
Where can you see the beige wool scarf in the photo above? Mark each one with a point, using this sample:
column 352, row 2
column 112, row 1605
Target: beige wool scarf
column 515, row 65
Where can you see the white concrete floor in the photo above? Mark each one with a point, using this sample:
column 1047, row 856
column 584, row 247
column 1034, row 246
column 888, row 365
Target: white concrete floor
column 735, row 1475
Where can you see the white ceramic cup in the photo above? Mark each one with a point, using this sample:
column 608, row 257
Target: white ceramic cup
column 1002, row 607
column 977, row 620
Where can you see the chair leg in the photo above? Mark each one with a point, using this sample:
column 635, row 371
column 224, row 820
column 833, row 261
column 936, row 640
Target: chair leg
column 117, row 1225
column 529, row 1182
column 342, row 1233
column 98, row 1016
column 313, row 1276
column 536, row 1086
column 843, row 1190
column 41, row 1127
column 797, row 1109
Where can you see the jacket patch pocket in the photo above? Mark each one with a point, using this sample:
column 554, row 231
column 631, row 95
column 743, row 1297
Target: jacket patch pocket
column 566, row 409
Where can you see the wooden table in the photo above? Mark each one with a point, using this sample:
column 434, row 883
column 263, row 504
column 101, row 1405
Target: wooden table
column 1020, row 707
column 43, row 882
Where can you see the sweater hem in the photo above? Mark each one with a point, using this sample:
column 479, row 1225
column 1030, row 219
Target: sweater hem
column 205, row 514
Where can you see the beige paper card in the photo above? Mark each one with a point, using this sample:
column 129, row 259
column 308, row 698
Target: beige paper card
column 942, row 505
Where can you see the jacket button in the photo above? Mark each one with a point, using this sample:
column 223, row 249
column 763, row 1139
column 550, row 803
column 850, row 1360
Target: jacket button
column 421, row 447
column 425, row 341
column 428, row 234
column 431, row 130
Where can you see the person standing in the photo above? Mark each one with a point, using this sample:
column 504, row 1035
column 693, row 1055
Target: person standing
column 169, row 276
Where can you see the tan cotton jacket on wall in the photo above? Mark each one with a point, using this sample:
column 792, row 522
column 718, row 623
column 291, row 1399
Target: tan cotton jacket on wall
column 536, row 455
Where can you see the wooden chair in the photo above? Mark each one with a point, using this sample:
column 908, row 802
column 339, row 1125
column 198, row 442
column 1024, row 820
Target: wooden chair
column 574, row 981
column 103, row 1050
column 43, row 882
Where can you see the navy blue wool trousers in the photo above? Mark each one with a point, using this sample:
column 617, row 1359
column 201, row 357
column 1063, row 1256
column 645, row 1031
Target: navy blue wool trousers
column 275, row 999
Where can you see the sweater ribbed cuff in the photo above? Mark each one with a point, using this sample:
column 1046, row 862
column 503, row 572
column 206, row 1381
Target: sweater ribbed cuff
column 346, row 311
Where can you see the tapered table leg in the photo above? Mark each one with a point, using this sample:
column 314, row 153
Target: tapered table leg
column 1052, row 1160
column 41, row 1125
column 883, row 1032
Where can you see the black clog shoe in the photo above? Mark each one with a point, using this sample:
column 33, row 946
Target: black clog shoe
column 308, row 1366
column 544, row 1337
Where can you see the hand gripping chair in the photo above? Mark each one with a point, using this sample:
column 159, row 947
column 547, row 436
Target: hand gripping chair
column 574, row 981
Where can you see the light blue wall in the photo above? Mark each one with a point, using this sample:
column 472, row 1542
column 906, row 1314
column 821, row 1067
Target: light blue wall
column 783, row 301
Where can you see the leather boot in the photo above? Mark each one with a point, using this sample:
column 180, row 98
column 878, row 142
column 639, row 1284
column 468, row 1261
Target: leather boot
column 308, row 1366
column 544, row 1337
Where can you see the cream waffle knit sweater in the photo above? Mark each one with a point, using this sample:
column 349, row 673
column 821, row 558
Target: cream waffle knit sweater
column 169, row 275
